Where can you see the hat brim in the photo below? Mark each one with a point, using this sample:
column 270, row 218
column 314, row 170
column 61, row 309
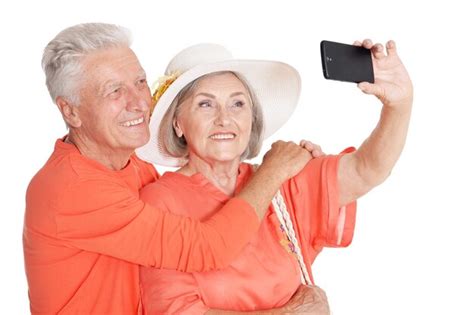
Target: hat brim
column 275, row 84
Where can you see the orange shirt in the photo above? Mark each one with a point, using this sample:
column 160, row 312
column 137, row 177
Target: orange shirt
column 86, row 231
column 266, row 273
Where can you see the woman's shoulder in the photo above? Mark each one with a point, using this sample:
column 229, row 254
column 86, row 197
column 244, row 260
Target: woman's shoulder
column 161, row 189
column 172, row 190
column 168, row 180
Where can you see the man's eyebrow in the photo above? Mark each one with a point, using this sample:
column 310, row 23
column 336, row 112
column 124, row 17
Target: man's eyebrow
column 109, row 84
column 141, row 74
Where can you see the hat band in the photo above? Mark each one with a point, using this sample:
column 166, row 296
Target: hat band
column 161, row 85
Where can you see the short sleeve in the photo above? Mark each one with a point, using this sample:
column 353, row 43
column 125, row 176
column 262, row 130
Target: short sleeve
column 313, row 196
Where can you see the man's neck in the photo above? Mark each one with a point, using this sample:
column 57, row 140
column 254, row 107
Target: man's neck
column 114, row 160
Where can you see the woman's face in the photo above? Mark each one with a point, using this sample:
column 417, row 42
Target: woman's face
column 216, row 119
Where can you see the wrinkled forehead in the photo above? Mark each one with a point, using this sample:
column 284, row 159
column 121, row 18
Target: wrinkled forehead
column 220, row 80
column 112, row 64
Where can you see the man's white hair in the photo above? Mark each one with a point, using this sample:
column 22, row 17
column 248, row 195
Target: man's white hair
column 62, row 56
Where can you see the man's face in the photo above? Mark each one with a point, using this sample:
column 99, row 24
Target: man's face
column 114, row 101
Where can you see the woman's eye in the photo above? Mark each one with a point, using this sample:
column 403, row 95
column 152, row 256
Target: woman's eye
column 204, row 104
column 239, row 104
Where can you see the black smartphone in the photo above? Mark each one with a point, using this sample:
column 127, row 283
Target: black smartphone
column 344, row 62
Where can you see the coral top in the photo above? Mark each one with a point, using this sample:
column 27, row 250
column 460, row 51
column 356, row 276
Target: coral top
column 266, row 274
column 86, row 231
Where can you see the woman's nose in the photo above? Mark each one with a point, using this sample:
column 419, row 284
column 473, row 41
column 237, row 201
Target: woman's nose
column 222, row 116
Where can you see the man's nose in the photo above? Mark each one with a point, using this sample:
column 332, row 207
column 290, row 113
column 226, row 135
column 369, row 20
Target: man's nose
column 137, row 101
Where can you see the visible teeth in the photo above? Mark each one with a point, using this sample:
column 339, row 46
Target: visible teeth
column 133, row 122
column 220, row 136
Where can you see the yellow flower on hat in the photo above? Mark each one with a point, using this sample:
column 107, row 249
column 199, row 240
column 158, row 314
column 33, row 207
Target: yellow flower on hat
column 160, row 87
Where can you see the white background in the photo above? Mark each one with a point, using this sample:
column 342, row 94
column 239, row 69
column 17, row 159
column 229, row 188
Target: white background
column 412, row 250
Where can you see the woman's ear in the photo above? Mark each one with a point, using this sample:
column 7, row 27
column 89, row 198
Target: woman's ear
column 69, row 111
column 177, row 128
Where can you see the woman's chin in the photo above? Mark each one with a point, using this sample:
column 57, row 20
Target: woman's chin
column 225, row 157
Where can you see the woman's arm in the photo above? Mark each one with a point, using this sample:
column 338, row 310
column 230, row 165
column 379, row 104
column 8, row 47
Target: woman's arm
column 372, row 163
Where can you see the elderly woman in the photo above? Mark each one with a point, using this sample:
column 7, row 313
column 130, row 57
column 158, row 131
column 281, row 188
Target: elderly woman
column 213, row 112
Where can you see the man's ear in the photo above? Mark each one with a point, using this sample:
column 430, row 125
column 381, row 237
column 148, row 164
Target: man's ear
column 177, row 129
column 69, row 111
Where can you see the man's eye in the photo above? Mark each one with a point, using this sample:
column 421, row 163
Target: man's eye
column 115, row 92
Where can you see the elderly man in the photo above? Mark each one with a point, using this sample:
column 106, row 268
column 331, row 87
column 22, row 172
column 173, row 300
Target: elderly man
column 86, row 231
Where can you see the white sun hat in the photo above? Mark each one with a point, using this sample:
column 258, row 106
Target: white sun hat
column 276, row 85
